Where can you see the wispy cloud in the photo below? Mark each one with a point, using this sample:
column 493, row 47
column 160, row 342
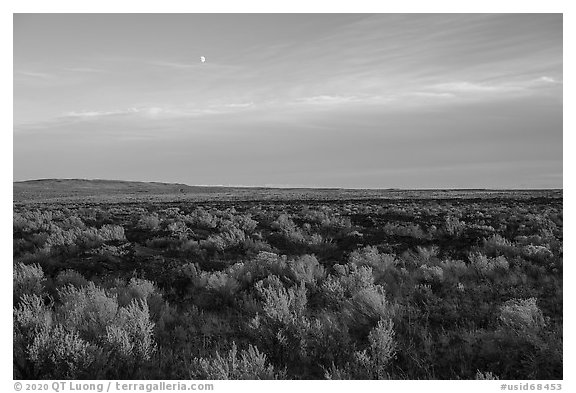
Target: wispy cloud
column 158, row 112
column 240, row 105
column 97, row 114
column 471, row 87
column 34, row 74
column 150, row 112
column 328, row 100
column 172, row 64
column 548, row 79
column 494, row 90
column 83, row 69
column 430, row 94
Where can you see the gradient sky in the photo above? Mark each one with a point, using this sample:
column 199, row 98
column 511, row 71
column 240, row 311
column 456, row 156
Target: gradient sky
column 331, row 100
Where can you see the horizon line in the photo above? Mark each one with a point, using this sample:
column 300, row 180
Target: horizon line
column 288, row 186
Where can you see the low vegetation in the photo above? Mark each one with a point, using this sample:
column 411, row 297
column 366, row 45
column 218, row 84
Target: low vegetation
column 367, row 289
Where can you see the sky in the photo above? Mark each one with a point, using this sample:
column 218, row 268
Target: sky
column 291, row 100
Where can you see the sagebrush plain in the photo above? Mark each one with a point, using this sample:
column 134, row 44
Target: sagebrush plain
column 159, row 281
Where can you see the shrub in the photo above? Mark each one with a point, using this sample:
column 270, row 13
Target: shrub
column 353, row 292
column 455, row 268
column 263, row 265
column 497, row 245
column 249, row 364
column 485, row 376
column 137, row 289
column 522, row 315
column 306, row 269
column 112, row 233
column 368, row 303
column 373, row 362
column 149, row 222
column 369, row 256
column 538, row 253
column 131, row 334
column 200, row 218
column 88, row 309
column 402, row 229
column 454, row 226
column 178, row 229
column 61, row 354
column 27, row 280
column 284, row 224
column 279, row 303
column 484, row 265
column 381, row 351
column 349, row 280
column 283, row 324
column 31, row 316
column 420, row 256
column 246, row 223
column 70, row 277
column 229, row 238
column 431, row 274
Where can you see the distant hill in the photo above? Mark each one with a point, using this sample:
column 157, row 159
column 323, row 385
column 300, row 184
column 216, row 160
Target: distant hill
column 84, row 186
column 81, row 188
column 66, row 190
column 117, row 191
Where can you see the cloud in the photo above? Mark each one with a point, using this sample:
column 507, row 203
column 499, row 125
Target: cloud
column 470, row 87
column 151, row 112
column 498, row 89
column 157, row 112
column 240, row 105
column 429, row 94
column 83, row 69
column 34, row 74
column 327, row 99
column 172, row 64
column 547, row 79
column 96, row 114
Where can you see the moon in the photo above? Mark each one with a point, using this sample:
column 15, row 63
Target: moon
column 202, row 59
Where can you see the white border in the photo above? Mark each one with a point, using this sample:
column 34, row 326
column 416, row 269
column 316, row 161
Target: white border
column 261, row 6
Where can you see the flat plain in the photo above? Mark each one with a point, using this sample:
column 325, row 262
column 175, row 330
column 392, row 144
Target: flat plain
column 126, row 280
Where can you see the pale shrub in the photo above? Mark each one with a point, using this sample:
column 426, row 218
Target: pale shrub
column 306, row 269
column 279, row 303
column 382, row 348
column 248, row 364
column 454, row 226
column 88, row 309
column 522, row 315
column 27, row 280
column 485, row 265
column 132, row 333
column 112, row 233
column 498, row 245
column 149, row 222
column 370, row 256
column 485, row 376
column 373, row 362
column 137, row 288
column 31, row 316
column 61, row 354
